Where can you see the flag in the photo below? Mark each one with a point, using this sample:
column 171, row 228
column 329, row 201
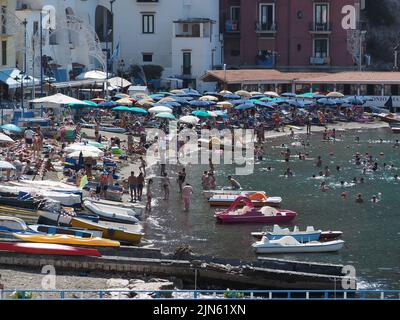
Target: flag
column 116, row 54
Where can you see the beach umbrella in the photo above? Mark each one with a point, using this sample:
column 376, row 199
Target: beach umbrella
column 221, row 114
column 271, row 94
column 96, row 144
column 85, row 154
column 183, row 100
column 5, row 138
column 160, row 109
column 165, row 115
column 224, row 104
column 213, row 114
column 355, row 101
column 142, row 95
column 156, row 97
column 266, row 99
column 212, row 93
column 240, row 101
column 231, row 96
column 78, row 147
column 263, row 104
column 327, row 102
column 145, row 103
column 11, row 128
column 171, row 104
column 122, row 95
column 307, row 95
column 199, row 103
column 245, row 106
column 223, row 92
column 189, row 120
column 87, row 104
column 138, row 110
column 319, row 96
column 5, row 165
column 124, row 102
column 335, row 94
column 208, row 98
column 98, row 100
column 296, row 104
column 167, row 99
column 177, row 91
column 243, row 93
column 257, row 97
column 107, row 104
column 201, row 114
column 255, row 93
column 288, row 95
column 121, row 108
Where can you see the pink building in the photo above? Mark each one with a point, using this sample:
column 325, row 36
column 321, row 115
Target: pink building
column 287, row 34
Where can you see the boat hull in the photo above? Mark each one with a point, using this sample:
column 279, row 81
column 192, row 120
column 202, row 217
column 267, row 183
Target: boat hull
column 227, row 203
column 332, row 246
column 278, row 219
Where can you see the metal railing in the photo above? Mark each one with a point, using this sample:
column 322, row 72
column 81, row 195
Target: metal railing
column 201, row 294
column 320, row 26
column 271, row 27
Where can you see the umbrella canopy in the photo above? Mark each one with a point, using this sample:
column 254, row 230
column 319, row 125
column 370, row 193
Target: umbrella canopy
column 122, row 95
column 177, row 91
column 92, row 75
column 145, row 103
column 327, row 102
column 243, row 93
column 121, row 108
column 245, row 106
column 5, row 138
column 223, row 92
column 160, row 109
column 171, row 104
column 288, row 95
column 208, row 98
column 167, row 99
column 199, row 103
column 224, row 104
column 296, row 104
column 88, row 104
column 189, row 120
column 165, row 115
column 4, row 165
column 231, row 96
column 138, row 110
column 107, row 104
column 255, row 93
column 78, row 147
column 119, row 82
column 307, row 95
column 85, row 154
column 264, row 104
column 98, row 100
column 11, row 128
column 201, row 114
column 58, row 99
column 271, row 94
column 240, row 101
column 124, row 102
column 221, row 114
column 335, row 95
column 356, row 101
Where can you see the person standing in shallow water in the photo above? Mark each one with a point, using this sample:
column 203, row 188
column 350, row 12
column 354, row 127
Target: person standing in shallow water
column 149, row 195
column 187, row 192
column 165, row 185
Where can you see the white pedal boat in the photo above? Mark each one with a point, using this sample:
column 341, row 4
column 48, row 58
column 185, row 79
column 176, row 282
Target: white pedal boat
column 112, row 213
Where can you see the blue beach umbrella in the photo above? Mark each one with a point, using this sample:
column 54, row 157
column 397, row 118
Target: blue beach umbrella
column 296, row 103
column 231, row 96
column 240, row 101
column 308, row 95
column 358, row 101
column 165, row 115
column 264, row 104
column 245, row 106
column 288, row 95
column 199, row 103
column 107, row 104
column 11, row 128
column 221, row 114
column 327, row 102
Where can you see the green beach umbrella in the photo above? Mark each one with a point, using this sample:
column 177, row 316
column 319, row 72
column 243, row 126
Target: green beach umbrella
column 121, row 108
column 11, row 128
column 201, row 114
column 165, row 115
column 137, row 110
column 87, row 104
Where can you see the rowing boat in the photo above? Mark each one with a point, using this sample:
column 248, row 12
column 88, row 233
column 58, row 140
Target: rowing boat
column 117, row 232
column 52, row 230
column 111, row 213
column 67, row 239
column 47, row 249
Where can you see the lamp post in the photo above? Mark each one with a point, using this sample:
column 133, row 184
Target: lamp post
column 24, row 23
column 225, row 85
column 112, row 25
column 121, row 69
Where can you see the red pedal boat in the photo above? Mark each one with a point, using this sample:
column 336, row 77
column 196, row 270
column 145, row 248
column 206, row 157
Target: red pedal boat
column 47, row 249
column 250, row 214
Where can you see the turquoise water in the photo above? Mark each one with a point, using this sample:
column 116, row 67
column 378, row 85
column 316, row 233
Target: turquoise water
column 371, row 230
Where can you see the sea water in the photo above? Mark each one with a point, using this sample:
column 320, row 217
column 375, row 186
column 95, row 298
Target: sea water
column 371, row 230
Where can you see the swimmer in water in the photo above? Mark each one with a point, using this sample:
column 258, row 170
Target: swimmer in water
column 288, row 173
column 375, row 199
column 357, row 139
column 338, row 168
column 397, row 144
column 342, row 184
column 327, row 171
column 361, row 180
column 319, row 161
column 343, row 195
column 323, row 186
column 359, row 198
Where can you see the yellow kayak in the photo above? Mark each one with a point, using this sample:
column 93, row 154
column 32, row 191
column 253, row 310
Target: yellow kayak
column 67, row 239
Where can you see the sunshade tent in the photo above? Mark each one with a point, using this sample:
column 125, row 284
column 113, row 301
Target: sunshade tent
column 5, row 165
column 165, row 115
column 189, row 119
column 11, row 128
column 58, row 99
column 92, row 75
column 160, row 109
column 5, row 138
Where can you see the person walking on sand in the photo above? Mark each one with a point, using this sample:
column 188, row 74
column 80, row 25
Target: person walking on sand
column 187, row 192
column 133, row 182
column 149, row 194
column 165, row 185
column 181, row 179
column 143, row 165
column 140, row 185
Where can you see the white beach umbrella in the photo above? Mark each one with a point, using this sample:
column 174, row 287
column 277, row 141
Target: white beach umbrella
column 189, row 120
column 5, row 138
column 85, row 154
column 58, row 99
column 160, row 109
column 271, row 94
column 4, row 165
column 83, row 147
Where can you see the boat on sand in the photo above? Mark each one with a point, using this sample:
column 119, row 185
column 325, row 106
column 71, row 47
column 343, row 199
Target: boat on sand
column 112, row 213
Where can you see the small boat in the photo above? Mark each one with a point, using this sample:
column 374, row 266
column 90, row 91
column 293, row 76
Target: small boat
column 67, row 239
column 52, row 230
column 302, row 236
column 210, row 193
column 324, row 236
column 130, row 235
column 63, row 219
column 389, row 117
column 250, row 214
column 11, row 225
column 137, row 208
column 21, row 202
column 47, row 249
column 111, row 213
column 291, row 245
column 258, row 200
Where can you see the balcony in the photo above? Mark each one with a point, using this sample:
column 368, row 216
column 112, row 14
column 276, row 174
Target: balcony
column 320, row 61
column 267, row 29
column 320, row 27
column 232, row 26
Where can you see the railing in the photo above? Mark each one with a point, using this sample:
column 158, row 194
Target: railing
column 201, row 294
column 232, row 26
column 320, row 27
column 320, row 61
column 266, row 27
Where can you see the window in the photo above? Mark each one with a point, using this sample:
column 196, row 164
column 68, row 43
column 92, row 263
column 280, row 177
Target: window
column 4, row 53
column 321, row 48
column 185, row 28
column 187, row 63
column 148, row 23
column 147, row 57
column 321, row 16
column 267, row 17
column 235, row 13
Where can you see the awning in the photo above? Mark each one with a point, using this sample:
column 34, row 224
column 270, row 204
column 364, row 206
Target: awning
column 75, row 84
column 58, row 99
column 8, row 77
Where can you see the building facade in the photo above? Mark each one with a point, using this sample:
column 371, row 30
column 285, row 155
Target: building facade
column 7, row 35
column 287, row 34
